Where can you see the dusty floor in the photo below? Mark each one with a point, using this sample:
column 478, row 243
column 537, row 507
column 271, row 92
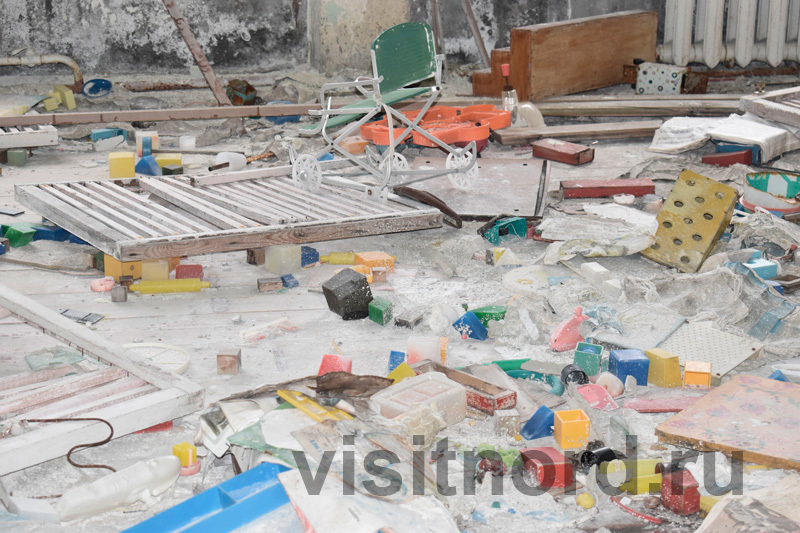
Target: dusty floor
column 203, row 322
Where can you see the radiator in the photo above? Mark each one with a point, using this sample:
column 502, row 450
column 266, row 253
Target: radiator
column 740, row 31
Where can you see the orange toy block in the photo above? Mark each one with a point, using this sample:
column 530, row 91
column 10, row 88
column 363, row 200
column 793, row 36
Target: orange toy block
column 375, row 259
column 571, row 429
column 696, row 375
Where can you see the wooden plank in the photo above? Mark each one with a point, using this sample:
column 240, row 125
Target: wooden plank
column 69, row 218
column 28, row 137
column 71, row 386
column 579, row 132
column 27, row 378
column 291, row 212
column 155, row 115
column 94, row 399
column 212, row 197
column 183, row 223
column 114, row 212
column 58, row 191
column 196, row 206
column 639, row 108
column 257, row 201
column 581, row 54
column 49, row 441
column 137, row 211
column 772, row 106
column 300, row 233
column 315, row 203
column 269, row 172
column 92, row 343
column 749, row 415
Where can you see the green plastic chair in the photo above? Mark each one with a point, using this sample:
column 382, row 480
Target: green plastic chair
column 402, row 57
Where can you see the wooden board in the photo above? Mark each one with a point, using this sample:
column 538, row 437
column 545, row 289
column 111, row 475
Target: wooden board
column 781, row 106
column 504, row 186
column 28, row 137
column 490, row 82
column 755, row 416
column 581, row 54
column 216, row 218
column 578, row 132
column 173, row 397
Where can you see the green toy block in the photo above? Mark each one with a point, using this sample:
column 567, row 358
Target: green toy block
column 589, row 357
column 18, row 234
column 17, row 157
column 171, row 170
column 490, row 312
column 380, row 310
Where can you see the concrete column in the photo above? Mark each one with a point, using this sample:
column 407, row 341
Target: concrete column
column 340, row 32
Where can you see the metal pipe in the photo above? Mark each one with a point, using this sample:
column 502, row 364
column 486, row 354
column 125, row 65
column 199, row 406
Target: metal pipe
column 34, row 60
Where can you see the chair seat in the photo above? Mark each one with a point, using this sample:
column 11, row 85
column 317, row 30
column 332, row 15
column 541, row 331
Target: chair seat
column 389, row 98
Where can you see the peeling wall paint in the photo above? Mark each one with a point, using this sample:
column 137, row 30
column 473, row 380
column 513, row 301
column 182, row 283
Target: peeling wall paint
column 107, row 36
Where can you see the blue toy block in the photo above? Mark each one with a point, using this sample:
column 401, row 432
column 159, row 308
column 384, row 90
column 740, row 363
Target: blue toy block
column 289, row 281
column 778, row 376
column 282, row 119
column 471, row 326
column 108, row 133
column 396, row 359
column 725, row 147
column 225, row 507
column 147, row 146
column 147, row 164
column 2, row 249
column 765, row 268
column 75, row 240
column 539, row 425
column 624, row 363
column 308, row 255
column 50, row 233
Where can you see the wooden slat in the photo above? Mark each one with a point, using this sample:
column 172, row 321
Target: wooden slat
column 101, row 194
column 57, row 191
column 578, row 132
column 270, row 172
column 184, row 224
column 196, row 206
column 115, row 213
column 318, row 203
column 240, row 191
column 26, row 378
column 297, row 210
column 96, row 398
column 221, row 201
column 71, row 219
column 71, row 386
column 300, row 233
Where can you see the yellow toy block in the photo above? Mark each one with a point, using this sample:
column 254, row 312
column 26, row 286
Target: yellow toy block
column 375, row 259
column 642, row 484
column 571, row 429
column 639, row 475
column 121, row 165
column 57, row 96
column 696, row 375
column 400, row 373
column 155, row 269
column 664, row 370
column 691, row 221
column 50, row 103
column 361, row 269
column 186, row 452
column 66, row 96
column 339, row 258
column 115, row 268
column 169, row 159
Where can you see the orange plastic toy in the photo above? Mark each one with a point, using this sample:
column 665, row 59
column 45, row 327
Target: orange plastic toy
column 451, row 125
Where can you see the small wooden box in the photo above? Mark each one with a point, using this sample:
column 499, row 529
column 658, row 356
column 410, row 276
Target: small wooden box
column 563, row 151
column 270, row 284
column 229, row 361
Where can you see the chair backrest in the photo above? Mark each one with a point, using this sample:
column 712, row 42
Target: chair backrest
column 404, row 54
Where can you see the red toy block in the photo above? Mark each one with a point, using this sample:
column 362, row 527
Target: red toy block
column 549, row 466
column 164, row 426
column 335, row 363
column 726, row 159
column 603, row 188
column 562, row 151
column 189, row 271
column 679, row 492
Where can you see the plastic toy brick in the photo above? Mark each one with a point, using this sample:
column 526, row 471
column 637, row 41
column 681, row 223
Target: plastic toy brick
column 169, row 159
column 108, row 133
column 469, row 324
column 624, row 363
column 396, row 359
column 563, row 151
column 308, row 256
column 571, row 429
column 539, row 425
column 186, row 452
column 18, row 234
column 589, row 357
column 289, row 281
column 375, row 259
column 696, row 375
column 147, row 165
column 665, row 368
column 121, row 165
column 694, row 216
column 680, row 493
column 380, row 310
column 171, row 170
column 401, row 372
column 348, row 294
column 335, row 363
column 549, row 466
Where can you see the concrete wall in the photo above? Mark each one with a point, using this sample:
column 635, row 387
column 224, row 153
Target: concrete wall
column 107, row 36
